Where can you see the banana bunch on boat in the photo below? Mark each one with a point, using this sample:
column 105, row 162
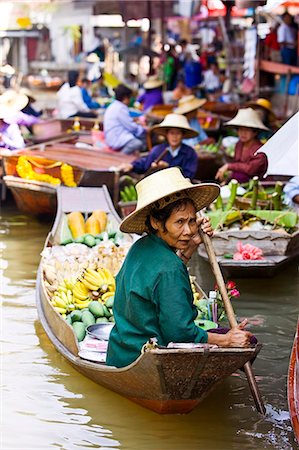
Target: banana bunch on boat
column 62, row 299
column 93, row 285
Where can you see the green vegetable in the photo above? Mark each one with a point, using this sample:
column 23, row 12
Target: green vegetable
column 287, row 219
column 102, row 320
column 66, row 241
column 110, row 301
column 88, row 318
column 96, row 308
column 89, row 240
column 233, row 192
column 79, row 329
column 106, row 311
column 255, row 192
column 76, row 315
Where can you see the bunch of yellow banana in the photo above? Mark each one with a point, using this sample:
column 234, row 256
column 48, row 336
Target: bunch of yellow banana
column 63, row 301
column 108, row 278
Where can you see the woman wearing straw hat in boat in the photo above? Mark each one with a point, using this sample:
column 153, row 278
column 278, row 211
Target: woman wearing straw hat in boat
column 188, row 106
column 11, row 103
column 246, row 164
column 172, row 153
column 153, row 93
column 153, row 297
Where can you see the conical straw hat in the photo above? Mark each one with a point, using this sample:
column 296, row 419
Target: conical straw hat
column 247, row 117
column 189, row 103
column 152, row 83
column 264, row 104
column 175, row 121
column 27, row 92
column 162, row 188
column 11, row 102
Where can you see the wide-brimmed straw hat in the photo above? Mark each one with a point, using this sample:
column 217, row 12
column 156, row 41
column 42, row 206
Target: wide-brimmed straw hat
column 11, row 102
column 247, row 117
column 189, row 103
column 152, row 83
column 28, row 93
column 175, row 121
column 92, row 58
column 162, row 188
column 264, row 104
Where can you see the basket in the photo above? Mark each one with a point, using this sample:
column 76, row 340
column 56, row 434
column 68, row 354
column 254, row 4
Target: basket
column 126, row 208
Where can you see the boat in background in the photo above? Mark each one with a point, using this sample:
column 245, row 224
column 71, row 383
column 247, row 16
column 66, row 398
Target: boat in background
column 90, row 166
column 165, row 380
column 293, row 385
column 279, row 249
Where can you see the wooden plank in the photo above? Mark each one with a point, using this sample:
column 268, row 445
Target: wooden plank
column 277, row 68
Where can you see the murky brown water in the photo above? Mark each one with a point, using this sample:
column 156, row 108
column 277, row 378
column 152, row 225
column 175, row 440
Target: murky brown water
column 46, row 404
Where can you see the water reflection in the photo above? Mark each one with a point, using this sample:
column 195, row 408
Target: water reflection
column 48, row 405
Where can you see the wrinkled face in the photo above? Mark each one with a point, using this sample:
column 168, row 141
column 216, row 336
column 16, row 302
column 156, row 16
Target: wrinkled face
column 246, row 134
column 174, row 137
column 179, row 227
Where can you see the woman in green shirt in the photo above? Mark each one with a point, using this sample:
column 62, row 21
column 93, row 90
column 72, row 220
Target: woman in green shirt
column 153, row 293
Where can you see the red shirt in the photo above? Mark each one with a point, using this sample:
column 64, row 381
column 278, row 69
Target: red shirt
column 247, row 163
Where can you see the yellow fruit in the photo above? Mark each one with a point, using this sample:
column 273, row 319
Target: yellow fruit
column 102, row 219
column 76, row 223
column 92, row 225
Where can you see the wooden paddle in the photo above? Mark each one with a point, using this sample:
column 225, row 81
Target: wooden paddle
column 231, row 318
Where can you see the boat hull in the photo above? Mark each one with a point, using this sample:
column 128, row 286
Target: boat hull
column 279, row 249
column 293, row 385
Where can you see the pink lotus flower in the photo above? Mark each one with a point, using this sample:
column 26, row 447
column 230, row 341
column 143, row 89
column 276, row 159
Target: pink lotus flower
column 234, row 293
column 247, row 252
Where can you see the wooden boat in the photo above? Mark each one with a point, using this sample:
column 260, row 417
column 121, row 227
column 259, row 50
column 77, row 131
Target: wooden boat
column 293, row 385
column 91, row 167
column 165, row 380
column 279, row 248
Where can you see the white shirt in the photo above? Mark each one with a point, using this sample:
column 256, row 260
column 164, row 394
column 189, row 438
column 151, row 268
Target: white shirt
column 70, row 101
column 211, row 81
column 287, row 34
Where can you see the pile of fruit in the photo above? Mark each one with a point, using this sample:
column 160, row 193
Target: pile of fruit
column 79, row 277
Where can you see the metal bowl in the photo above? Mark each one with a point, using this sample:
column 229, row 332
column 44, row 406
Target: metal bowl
column 100, row 331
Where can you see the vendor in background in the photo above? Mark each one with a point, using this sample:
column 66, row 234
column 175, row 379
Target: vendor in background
column 188, row 106
column 70, row 100
column 291, row 193
column 85, row 85
column 29, row 109
column 122, row 134
column 180, row 91
column 172, row 153
column 153, row 295
column 211, row 81
column 287, row 39
column 246, row 164
column 10, row 134
column 152, row 95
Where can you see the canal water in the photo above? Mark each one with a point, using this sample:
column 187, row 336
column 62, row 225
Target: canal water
column 46, row 404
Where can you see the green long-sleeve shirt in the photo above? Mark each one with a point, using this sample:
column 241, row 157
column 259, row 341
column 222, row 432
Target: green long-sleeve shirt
column 153, row 298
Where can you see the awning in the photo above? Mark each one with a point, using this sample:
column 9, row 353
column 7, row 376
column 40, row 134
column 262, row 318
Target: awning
column 135, row 9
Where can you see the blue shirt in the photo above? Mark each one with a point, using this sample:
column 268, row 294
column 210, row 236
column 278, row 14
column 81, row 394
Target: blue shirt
column 195, row 125
column 291, row 189
column 88, row 99
column 119, row 127
column 186, row 160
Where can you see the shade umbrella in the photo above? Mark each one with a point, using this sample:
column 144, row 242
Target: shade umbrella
column 282, row 149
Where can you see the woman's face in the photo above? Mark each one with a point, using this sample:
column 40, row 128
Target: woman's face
column 179, row 227
column 174, row 137
column 246, row 134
